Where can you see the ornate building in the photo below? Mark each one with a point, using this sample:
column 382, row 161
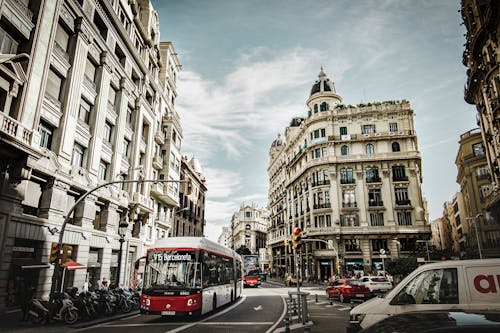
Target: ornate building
column 87, row 96
column 190, row 218
column 482, row 58
column 249, row 228
column 350, row 175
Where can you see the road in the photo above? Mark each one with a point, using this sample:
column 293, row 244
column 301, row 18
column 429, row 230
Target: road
column 258, row 310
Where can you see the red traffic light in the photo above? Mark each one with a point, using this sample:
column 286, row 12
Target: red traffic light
column 297, row 231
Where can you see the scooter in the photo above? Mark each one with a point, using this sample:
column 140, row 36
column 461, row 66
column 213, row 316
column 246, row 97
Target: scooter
column 64, row 310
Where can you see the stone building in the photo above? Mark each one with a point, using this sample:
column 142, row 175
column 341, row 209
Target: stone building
column 189, row 220
column 482, row 57
column 87, row 96
column 348, row 175
column 249, row 228
column 225, row 237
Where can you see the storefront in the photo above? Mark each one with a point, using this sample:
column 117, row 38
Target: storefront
column 354, row 266
column 325, row 268
column 24, row 271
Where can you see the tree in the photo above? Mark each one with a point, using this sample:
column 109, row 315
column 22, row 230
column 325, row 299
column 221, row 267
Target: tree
column 401, row 266
column 243, row 250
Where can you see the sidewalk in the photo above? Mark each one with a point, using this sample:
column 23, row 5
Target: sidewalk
column 281, row 282
column 11, row 322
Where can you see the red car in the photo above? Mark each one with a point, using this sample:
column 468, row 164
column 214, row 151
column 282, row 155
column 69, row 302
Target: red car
column 345, row 289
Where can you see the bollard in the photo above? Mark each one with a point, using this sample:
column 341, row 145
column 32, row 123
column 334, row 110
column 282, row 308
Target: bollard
column 307, row 328
column 287, row 325
column 316, row 298
column 331, row 301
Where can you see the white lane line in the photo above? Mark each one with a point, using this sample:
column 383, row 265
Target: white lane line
column 142, row 324
column 242, row 323
column 137, row 315
column 280, row 319
column 344, row 309
column 178, row 329
column 294, row 326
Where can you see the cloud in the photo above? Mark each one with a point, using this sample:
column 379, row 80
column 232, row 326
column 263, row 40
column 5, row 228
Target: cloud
column 222, row 183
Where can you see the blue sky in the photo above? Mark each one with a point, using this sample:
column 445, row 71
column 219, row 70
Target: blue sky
column 248, row 67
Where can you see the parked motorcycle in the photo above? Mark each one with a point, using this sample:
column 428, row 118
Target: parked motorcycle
column 63, row 310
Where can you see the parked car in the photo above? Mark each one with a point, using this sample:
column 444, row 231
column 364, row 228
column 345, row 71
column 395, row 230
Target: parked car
column 442, row 286
column 291, row 281
column 346, row 289
column 439, row 321
column 376, row 283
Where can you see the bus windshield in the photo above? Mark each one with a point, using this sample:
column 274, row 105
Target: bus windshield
column 172, row 271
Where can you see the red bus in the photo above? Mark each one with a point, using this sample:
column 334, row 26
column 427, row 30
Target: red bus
column 189, row 276
column 251, row 271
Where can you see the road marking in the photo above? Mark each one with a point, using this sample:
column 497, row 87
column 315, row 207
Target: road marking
column 258, row 308
column 178, row 329
column 242, row 323
column 293, row 327
column 271, row 329
column 137, row 315
column 344, row 309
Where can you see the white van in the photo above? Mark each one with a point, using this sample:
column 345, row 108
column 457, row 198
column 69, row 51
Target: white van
column 448, row 285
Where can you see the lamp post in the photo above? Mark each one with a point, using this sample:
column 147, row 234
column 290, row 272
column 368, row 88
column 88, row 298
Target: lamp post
column 426, row 247
column 57, row 265
column 122, row 231
column 474, row 220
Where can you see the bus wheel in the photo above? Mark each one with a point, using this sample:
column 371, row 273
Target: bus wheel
column 214, row 303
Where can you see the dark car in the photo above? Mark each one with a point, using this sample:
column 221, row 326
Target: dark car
column 346, row 289
column 439, row 322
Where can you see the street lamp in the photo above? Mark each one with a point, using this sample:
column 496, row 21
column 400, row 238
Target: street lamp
column 426, row 247
column 122, row 231
column 474, row 220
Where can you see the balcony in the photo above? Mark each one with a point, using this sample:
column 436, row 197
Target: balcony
column 14, row 129
column 373, row 180
column 144, row 203
column 403, row 202
column 375, row 203
column 400, row 179
column 320, row 183
column 322, row 205
column 159, row 137
column 158, row 162
column 347, row 180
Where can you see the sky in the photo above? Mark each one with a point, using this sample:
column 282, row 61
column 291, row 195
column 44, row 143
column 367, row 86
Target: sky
column 248, row 68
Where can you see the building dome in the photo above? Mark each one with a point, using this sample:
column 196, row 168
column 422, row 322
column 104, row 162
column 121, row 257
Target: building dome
column 196, row 165
column 323, row 84
column 278, row 142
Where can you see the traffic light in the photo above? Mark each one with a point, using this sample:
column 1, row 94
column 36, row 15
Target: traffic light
column 286, row 241
column 53, row 252
column 66, row 255
column 297, row 238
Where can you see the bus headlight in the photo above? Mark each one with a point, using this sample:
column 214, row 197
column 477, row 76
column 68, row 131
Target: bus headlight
column 147, row 302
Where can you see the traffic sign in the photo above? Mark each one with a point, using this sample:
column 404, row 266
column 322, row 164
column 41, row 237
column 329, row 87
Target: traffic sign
column 382, row 251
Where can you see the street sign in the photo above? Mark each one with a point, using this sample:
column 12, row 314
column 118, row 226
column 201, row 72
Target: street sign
column 383, row 256
column 382, row 251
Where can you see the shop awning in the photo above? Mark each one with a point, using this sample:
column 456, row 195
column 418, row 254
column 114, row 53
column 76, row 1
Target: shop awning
column 73, row 265
column 29, row 263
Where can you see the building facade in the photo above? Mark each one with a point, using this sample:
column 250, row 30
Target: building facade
column 249, row 228
column 88, row 97
column 348, row 175
column 225, row 237
column 482, row 57
column 190, row 217
column 475, row 186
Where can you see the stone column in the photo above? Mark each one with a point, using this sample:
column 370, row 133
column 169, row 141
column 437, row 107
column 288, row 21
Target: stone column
column 53, row 203
column 85, row 213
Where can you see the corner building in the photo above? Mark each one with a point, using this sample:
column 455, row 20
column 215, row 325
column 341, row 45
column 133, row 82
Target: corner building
column 88, row 95
column 348, row 175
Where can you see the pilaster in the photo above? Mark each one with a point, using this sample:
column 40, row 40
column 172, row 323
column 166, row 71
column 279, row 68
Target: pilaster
column 54, row 199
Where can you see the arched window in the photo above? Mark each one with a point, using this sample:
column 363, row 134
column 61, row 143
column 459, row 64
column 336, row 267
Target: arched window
column 370, row 149
column 323, row 106
column 344, row 150
column 315, row 108
column 395, row 146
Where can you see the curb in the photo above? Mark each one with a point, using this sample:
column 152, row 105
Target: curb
column 98, row 321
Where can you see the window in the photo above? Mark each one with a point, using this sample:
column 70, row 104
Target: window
column 78, row 155
column 434, row 286
column 344, row 150
column 348, row 198
column 108, row 132
column 395, row 147
column 90, row 70
column 84, row 113
column 349, row 220
column 324, row 106
column 407, row 244
column 54, row 85
column 62, row 38
column 372, row 175
column 112, row 96
column 352, row 245
column 404, row 218
column 367, row 129
column 248, row 215
column 398, row 173
column 346, row 176
column 375, row 197
column 478, row 149
column 126, row 147
column 343, row 130
column 315, row 108
column 377, row 219
column 393, row 127
column 8, row 44
column 378, row 244
column 45, row 131
column 401, row 194
column 370, row 149
column 130, row 117
column 319, row 133
column 103, row 170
